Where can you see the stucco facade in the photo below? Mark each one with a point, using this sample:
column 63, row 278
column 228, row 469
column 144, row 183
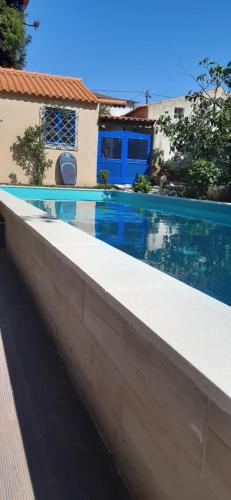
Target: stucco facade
column 156, row 109
column 18, row 112
column 171, row 107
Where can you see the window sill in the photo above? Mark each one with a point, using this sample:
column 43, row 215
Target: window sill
column 61, row 148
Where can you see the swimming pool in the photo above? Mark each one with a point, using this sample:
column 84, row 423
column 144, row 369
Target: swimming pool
column 189, row 240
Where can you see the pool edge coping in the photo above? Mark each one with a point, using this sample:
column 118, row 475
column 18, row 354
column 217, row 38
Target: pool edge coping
column 216, row 385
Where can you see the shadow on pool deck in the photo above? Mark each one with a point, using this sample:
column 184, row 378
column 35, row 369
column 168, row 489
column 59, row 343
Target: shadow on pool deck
column 64, row 454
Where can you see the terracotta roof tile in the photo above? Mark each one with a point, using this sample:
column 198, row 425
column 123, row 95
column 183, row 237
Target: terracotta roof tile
column 111, row 101
column 126, row 118
column 140, row 112
column 44, row 85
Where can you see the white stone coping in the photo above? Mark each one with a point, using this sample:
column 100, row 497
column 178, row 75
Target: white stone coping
column 188, row 326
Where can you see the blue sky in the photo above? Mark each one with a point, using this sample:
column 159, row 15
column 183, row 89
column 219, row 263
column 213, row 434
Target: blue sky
column 129, row 44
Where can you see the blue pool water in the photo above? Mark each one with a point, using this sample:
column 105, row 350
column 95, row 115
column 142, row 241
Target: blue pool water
column 195, row 251
column 189, row 240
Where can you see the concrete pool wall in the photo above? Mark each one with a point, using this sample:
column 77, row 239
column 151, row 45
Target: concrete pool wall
column 150, row 356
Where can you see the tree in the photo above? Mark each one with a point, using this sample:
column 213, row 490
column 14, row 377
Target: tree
column 206, row 133
column 104, row 110
column 13, row 37
column 201, row 176
column 29, row 153
column 18, row 4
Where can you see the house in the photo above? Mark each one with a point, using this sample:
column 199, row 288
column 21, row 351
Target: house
column 73, row 122
column 67, row 108
column 174, row 107
column 125, row 146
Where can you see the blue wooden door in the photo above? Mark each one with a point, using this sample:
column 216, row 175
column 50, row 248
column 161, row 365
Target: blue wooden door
column 124, row 154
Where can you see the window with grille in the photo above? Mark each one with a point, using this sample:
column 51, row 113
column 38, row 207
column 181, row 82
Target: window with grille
column 137, row 149
column 111, row 148
column 59, row 127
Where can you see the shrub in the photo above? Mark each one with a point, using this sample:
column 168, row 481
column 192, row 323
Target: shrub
column 201, row 176
column 220, row 193
column 224, row 178
column 29, row 153
column 104, row 176
column 174, row 169
column 13, row 178
column 141, row 184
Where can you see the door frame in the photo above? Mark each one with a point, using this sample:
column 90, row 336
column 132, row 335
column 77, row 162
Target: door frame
column 123, row 161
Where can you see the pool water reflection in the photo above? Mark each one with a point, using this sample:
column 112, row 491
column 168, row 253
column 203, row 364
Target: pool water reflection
column 195, row 251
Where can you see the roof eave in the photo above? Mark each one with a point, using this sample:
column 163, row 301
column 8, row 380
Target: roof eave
column 113, row 103
column 48, row 97
column 127, row 119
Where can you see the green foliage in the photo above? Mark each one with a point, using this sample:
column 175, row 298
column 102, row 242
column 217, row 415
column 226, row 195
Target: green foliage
column 141, row 184
column 13, row 178
column 14, row 3
column 224, row 178
column 13, row 37
column 18, row 4
column 104, row 176
column 220, row 193
column 201, row 176
column 29, row 153
column 104, row 110
column 176, row 168
column 206, row 132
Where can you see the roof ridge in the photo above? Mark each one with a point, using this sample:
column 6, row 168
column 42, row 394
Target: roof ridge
column 37, row 73
column 106, row 96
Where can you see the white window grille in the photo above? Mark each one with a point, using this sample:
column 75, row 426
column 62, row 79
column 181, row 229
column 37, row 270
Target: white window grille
column 60, row 127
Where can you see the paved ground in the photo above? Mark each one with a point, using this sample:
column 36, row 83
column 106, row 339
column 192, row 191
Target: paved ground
column 49, row 448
